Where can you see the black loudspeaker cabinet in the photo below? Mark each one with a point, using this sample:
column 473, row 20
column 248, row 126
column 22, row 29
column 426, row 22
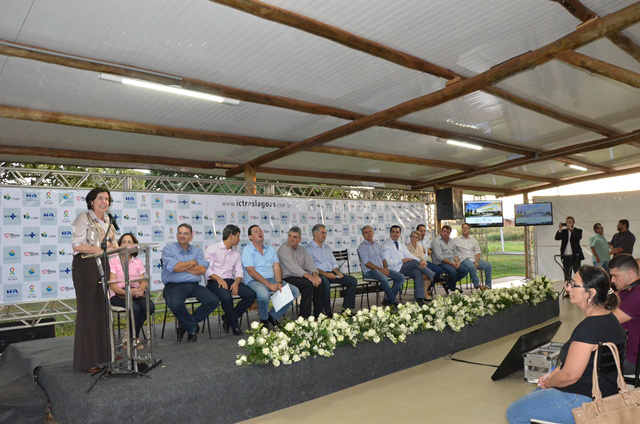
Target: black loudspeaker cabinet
column 449, row 204
column 25, row 334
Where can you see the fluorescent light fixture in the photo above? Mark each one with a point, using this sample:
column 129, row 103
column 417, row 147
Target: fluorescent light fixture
column 578, row 167
column 173, row 89
column 464, row 144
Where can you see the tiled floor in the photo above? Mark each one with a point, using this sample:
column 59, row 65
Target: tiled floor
column 441, row 391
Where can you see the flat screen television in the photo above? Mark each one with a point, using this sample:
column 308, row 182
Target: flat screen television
column 534, row 214
column 514, row 361
column 483, row 213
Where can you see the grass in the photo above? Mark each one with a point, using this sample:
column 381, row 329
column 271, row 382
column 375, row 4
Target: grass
column 507, row 265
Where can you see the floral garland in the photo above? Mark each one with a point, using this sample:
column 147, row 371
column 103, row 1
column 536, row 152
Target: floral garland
column 303, row 338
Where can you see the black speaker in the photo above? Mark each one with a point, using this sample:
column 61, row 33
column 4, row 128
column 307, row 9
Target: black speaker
column 25, row 334
column 449, row 203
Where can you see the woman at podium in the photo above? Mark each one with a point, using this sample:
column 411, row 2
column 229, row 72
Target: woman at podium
column 90, row 349
column 138, row 288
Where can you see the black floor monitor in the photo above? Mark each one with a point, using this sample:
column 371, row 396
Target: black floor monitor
column 514, row 360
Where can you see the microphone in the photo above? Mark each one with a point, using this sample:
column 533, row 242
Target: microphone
column 113, row 221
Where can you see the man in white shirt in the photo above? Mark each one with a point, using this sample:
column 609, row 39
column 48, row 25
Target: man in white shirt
column 467, row 255
column 425, row 238
column 399, row 259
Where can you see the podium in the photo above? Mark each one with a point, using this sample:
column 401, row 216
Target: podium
column 135, row 362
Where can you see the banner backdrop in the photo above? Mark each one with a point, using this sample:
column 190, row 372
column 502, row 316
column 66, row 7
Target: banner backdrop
column 36, row 229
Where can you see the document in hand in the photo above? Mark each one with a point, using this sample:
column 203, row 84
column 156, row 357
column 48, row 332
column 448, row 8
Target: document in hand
column 281, row 298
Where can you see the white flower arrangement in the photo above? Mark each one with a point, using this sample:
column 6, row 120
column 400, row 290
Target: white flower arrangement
column 303, row 338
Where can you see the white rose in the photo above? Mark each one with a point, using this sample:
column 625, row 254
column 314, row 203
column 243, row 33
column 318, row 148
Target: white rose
column 254, row 325
column 238, row 362
column 265, row 350
column 276, row 363
column 376, row 339
column 251, row 340
column 296, row 358
column 242, row 342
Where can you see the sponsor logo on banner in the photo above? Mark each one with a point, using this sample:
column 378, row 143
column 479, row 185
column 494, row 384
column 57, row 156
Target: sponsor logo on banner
column 264, row 217
column 157, row 233
column 49, row 253
column 220, row 218
column 354, row 242
column 12, row 292
column 11, row 216
column 144, row 216
column 31, row 235
column 11, row 236
column 67, row 289
column 243, row 217
column 49, row 271
column 337, row 218
column 11, row 254
column 209, row 234
column 157, row 219
column 66, row 218
column 47, row 236
column 31, row 272
column 232, row 217
column 32, row 292
column 284, row 217
column 196, row 217
column 48, row 216
column 303, row 217
column 170, row 217
column 49, row 290
column 183, row 201
column 30, row 218
column 10, row 274
column 129, row 200
column 128, row 217
column 31, row 198
column 61, row 252
column 144, row 203
column 352, row 218
column 64, row 235
column 64, row 271
column 65, row 199
column 157, row 201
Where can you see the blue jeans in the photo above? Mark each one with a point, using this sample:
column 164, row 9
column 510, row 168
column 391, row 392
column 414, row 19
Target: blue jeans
column 468, row 266
column 412, row 269
column 545, row 404
column 176, row 293
column 350, row 285
column 603, row 264
column 390, row 292
column 263, row 296
column 231, row 313
column 454, row 275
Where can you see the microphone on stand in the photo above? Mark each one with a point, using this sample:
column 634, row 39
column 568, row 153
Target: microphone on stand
column 113, row 221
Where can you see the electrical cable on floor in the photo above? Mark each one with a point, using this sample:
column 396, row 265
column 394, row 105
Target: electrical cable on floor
column 451, row 358
column 48, row 414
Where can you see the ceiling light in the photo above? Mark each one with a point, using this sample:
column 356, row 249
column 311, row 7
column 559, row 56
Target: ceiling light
column 578, row 167
column 464, row 144
column 174, row 89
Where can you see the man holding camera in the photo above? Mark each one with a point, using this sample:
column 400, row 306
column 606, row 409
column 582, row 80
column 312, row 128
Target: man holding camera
column 570, row 250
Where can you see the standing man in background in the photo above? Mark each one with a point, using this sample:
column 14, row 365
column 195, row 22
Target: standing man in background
column 570, row 250
column 599, row 247
column 623, row 240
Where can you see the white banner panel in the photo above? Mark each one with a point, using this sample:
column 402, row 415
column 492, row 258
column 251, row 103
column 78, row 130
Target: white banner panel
column 607, row 209
column 36, row 228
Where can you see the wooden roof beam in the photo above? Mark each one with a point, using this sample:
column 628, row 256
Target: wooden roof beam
column 584, row 14
column 587, row 33
column 12, row 112
column 591, row 166
column 123, row 159
column 321, row 29
column 549, row 155
column 95, row 65
column 600, row 67
column 574, row 180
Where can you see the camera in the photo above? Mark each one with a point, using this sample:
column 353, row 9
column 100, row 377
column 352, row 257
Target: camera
column 564, row 224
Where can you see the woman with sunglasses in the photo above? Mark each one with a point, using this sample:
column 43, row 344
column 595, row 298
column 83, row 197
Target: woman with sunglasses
column 569, row 385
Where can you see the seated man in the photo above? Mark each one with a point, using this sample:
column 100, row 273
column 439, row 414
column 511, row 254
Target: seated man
column 224, row 278
column 329, row 272
column 467, row 255
column 298, row 269
column 182, row 268
column 375, row 266
column 399, row 259
column 626, row 276
column 263, row 274
column 444, row 258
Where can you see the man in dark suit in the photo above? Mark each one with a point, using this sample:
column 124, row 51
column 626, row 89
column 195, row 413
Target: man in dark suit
column 570, row 249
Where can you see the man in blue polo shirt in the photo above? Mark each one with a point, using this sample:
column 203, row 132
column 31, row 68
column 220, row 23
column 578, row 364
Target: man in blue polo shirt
column 182, row 268
column 263, row 274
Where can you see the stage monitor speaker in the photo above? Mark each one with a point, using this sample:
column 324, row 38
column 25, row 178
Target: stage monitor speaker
column 449, row 203
column 25, row 334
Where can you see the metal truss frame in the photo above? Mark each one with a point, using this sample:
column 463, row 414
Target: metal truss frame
column 30, row 314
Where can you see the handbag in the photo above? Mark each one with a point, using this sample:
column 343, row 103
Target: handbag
column 621, row 408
